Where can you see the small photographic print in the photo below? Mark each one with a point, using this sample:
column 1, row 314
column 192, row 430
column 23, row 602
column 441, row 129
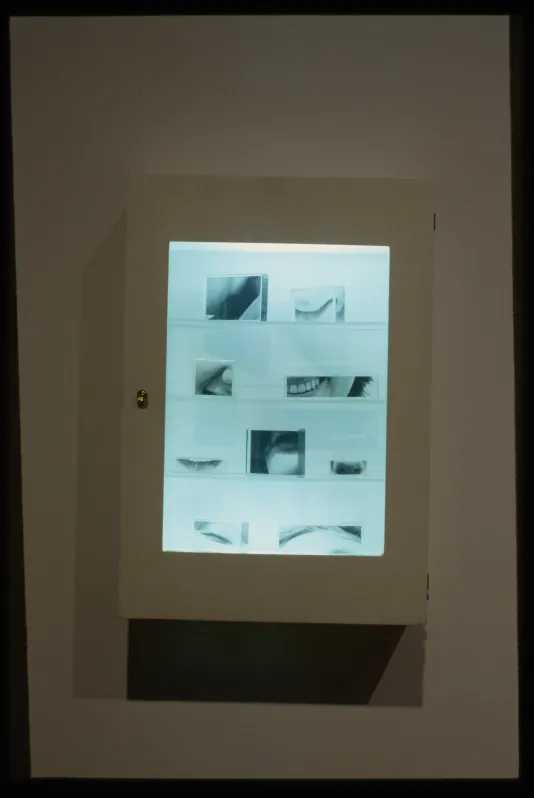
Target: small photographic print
column 331, row 387
column 198, row 465
column 220, row 536
column 236, row 298
column 319, row 304
column 326, row 540
column 213, row 377
column 348, row 467
column 280, row 453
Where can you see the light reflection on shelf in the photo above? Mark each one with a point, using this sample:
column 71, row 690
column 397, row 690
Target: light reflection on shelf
column 172, row 321
column 272, row 477
column 358, row 401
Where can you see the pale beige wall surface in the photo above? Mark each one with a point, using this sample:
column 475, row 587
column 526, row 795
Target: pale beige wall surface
column 414, row 97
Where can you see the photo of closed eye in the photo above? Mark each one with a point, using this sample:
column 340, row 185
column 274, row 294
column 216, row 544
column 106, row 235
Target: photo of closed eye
column 319, row 304
column 331, row 387
column 341, row 468
column 239, row 297
column 280, row 453
column 220, row 536
column 326, row 540
column 213, row 378
column 196, row 465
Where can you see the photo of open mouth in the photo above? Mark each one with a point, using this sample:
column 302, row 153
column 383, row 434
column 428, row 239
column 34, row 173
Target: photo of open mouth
column 277, row 452
column 197, row 464
column 213, row 378
column 340, row 467
column 320, row 304
column 329, row 387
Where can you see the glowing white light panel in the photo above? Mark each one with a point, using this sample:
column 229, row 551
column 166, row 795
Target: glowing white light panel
column 276, row 389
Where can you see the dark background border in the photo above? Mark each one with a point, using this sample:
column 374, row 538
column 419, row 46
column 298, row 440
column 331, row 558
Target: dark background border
column 521, row 179
column 17, row 682
column 16, row 704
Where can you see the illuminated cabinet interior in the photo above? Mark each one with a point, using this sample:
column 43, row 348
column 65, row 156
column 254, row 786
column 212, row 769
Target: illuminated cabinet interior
column 276, row 397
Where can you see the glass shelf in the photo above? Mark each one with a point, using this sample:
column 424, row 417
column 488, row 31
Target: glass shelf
column 307, row 404
column 272, row 478
column 370, row 325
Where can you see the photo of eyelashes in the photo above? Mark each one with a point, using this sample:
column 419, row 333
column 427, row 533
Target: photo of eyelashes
column 331, row 388
column 310, row 539
column 197, row 465
column 236, row 298
column 319, row 304
column 220, row 536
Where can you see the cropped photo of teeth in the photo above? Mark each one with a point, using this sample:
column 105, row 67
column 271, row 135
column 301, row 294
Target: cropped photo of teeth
column 342, row 467
column 320, row 304
column 220, row 536
column 213, row 378
column 239, row 297
column 197, row 465
column 330, row 387
column 342, row 540
column 281, row 453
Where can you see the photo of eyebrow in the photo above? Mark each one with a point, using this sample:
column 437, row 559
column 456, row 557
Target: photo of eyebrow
column 331, row 387
column 216, row 535
column 319, row 304
column 196, row 464
column 213, row 378
column 326, row 540
column 236, row 298
column 341, row 467
column 280, row 452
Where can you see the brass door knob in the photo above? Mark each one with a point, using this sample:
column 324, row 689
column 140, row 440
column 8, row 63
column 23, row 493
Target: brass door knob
column 142, row 400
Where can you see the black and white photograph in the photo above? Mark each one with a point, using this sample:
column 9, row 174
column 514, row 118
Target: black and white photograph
column 280, row 453
column 236, row 298
column 213, row 377
column 348, row 467
column 215, row 536
column 326, row 540
column 319, row 304
column 198, row 465
column 331, row 387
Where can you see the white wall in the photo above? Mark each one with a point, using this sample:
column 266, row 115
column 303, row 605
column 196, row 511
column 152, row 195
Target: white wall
column 95, row 99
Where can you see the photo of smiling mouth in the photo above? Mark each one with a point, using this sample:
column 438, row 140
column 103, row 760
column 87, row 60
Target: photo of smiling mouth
column 330, row 387
column 323, row 303
column 197, row 464
column 303, row 386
